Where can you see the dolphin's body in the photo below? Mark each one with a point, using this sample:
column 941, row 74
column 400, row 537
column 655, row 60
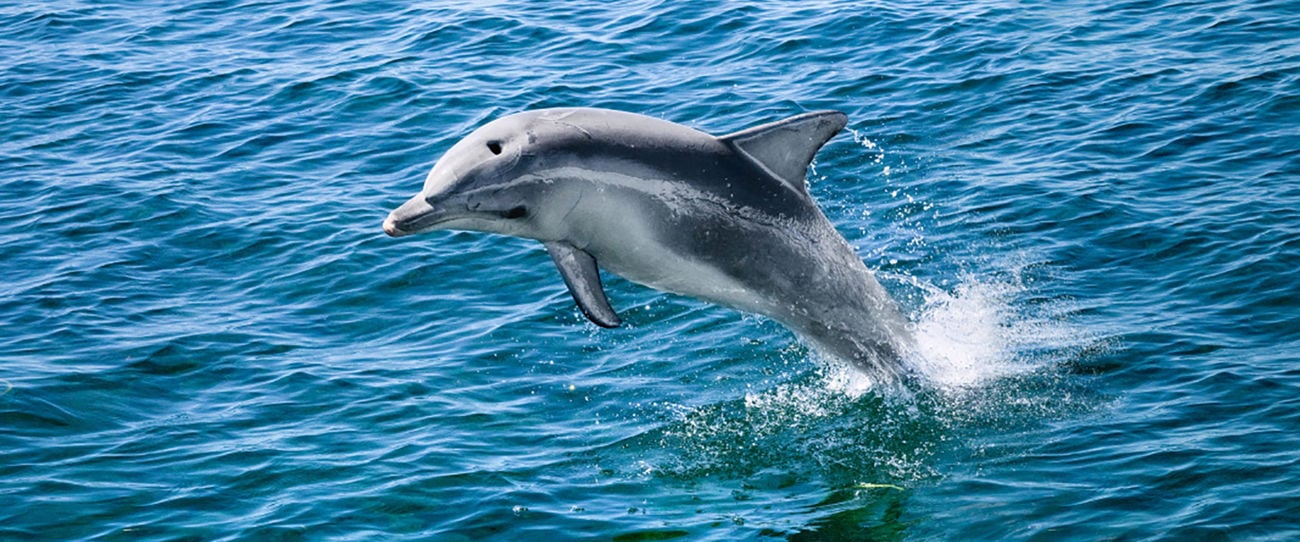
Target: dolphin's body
column 724, row 219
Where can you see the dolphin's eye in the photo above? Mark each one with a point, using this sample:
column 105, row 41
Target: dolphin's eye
column 495, row 147
column 517, row 212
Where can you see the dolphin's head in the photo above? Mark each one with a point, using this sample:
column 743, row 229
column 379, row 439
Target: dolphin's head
column 480, row 184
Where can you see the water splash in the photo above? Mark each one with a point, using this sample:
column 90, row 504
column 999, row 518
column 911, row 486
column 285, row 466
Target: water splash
column 821, row 425
column 984, row 329
column 966, row 337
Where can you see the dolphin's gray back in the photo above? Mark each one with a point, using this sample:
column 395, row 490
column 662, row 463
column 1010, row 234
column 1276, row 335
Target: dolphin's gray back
column 654, row 147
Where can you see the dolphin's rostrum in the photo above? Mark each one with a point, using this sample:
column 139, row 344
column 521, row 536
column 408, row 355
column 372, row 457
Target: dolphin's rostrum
column 724, row 219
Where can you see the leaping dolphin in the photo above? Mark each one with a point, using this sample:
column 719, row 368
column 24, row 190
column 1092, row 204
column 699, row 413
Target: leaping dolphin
column 724, row 219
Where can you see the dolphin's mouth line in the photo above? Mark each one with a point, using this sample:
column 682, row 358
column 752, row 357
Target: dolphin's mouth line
column 437, row 217
column 420, row 223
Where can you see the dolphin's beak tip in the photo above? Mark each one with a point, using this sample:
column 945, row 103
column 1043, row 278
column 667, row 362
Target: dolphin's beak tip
column 390, row 227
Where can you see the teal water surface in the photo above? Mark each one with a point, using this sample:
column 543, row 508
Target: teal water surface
column 1089, row 210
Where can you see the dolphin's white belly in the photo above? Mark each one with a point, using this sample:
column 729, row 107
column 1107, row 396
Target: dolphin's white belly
column 621, row 225
column 647, row 263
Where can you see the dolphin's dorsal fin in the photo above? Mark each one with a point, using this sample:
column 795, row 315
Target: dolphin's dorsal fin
column 785, row 148
column 578, row 268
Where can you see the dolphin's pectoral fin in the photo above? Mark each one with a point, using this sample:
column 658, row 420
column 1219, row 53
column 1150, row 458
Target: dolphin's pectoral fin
column 578, row 268
column 785, row 148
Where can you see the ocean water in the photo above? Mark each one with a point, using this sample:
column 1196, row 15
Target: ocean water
column 1089, row 211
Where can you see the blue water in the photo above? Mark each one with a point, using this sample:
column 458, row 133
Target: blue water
column 1089, row 210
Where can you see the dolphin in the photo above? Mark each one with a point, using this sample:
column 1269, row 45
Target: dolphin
column 727, row 220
